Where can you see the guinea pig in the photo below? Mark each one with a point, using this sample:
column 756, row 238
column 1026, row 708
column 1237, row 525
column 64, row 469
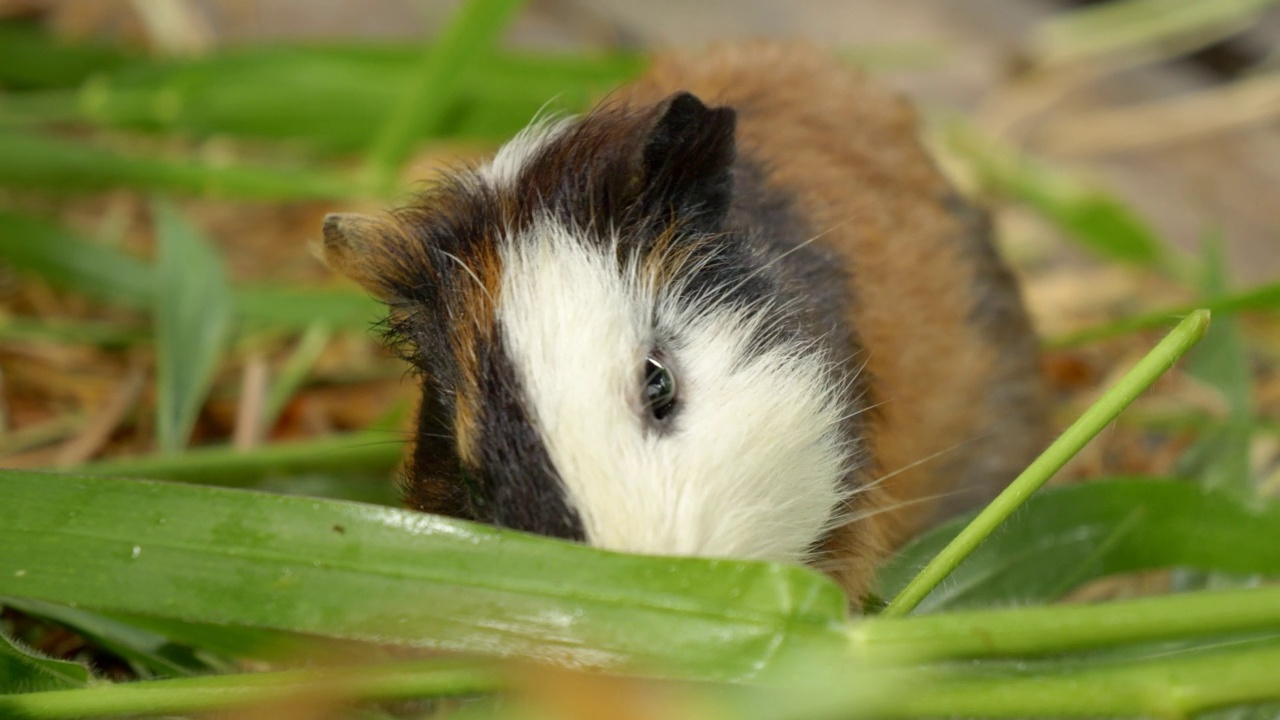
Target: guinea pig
column 733, row 311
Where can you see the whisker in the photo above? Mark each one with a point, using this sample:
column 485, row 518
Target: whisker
column 430, row 435
column 371, row 443
column 470, row 272
column 750, row 276
column 869, row 408
column 859, row 517
column 933, row 456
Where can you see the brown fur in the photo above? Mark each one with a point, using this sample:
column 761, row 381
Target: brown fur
column 848, row 151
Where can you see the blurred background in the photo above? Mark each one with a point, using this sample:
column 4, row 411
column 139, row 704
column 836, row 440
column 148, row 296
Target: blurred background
column 1172, row 104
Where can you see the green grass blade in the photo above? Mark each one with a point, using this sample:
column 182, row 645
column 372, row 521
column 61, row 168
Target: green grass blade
column 36, row 161
column 1043, row 631
column 239, row 643
column 25, row 671
column 72, row 263
column 1064, row 537
column 1091, row 216
column 66, row 261
column 1263, row 297
column 1146, row 681
column 295, row 370
column 31, row 58
column 299, row 307
column 104, row 334
column 1115, row 400
column 471, row 33
column 1221, row 455
column 326, row 97
column 365, row 452
column 363, row 572
column 150, row 653
column 402, row 681
column 1160, row 685
column 193, row 314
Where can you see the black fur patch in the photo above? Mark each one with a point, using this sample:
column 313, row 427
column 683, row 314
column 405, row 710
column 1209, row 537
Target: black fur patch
column 516, row 480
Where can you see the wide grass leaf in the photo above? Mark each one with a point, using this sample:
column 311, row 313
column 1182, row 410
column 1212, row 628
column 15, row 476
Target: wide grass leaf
column 23, row 670
column 192, row 308
column 1064, row 537
column 364, row 572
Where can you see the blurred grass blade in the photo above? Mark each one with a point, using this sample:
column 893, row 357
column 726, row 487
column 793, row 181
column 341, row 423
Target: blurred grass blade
column 1140, row 25
column 25, row 671
column 1263, row 297
column 150, row 653
column 1073, row 439
column 401, row 681
column 368, row 452
column 1172, row 685
column 295, row 370
column 300, row 307
column 432, row 91
column 356, row 571
column 78, row 265
column 1065, row 537
column 31, row 58
column 326, row 97
column 1220, row 457
column 105, row 334
column 37, row 161
column 1092, row 217
column 66, row 261
column 193, row 313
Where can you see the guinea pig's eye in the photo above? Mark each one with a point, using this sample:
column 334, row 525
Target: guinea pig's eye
column 659, row 387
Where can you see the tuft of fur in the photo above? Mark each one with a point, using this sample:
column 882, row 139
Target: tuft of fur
column 516, row 154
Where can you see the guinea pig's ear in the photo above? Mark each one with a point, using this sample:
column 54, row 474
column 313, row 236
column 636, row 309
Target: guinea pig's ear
column 688, row 157
column 351, row 247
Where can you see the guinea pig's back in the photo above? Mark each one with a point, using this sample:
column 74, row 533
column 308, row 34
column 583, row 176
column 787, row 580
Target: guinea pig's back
column 958, row 402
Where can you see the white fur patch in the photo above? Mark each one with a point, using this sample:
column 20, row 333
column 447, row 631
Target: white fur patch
column 754, row 464
column 504, row 169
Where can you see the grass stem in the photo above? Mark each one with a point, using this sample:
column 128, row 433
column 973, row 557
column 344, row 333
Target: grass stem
column 1050, row 629
column 1097, row 417
column 423, row 678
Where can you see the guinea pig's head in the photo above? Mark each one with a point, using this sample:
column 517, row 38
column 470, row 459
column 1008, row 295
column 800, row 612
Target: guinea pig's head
column 604, row 359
